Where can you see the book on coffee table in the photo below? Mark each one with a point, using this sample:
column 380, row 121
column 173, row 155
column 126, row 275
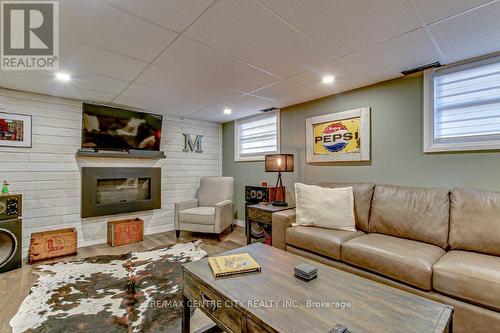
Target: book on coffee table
column 233, row 264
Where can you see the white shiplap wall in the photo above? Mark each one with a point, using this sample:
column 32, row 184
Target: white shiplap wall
column 48, row 174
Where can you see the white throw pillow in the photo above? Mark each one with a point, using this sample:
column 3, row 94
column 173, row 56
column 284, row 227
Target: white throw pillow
column 324, row 207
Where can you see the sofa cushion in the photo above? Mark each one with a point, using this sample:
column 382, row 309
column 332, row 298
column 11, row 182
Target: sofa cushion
column 401, row 259
column 322, row 241
column 198, row 215
column 363, row 193
column 473, row 277
column 475, row 221
column 420, row 214
column 314, row 207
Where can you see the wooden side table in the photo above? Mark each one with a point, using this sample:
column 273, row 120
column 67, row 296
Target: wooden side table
column 261, row 213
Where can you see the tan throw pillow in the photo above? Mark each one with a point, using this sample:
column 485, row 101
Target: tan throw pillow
column 331, row 208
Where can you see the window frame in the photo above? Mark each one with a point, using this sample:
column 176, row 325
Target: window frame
column 430, row 145
column 257, row 157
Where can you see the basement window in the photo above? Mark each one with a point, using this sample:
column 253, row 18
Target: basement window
column 256, row 136
column 462, row 107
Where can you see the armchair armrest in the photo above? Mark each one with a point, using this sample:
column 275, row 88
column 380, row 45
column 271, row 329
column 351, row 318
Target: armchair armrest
column 180, row 206
column 223, row 215
column 280, row 222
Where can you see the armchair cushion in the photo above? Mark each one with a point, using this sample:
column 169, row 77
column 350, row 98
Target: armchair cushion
column 198, row 215
column 214, row 190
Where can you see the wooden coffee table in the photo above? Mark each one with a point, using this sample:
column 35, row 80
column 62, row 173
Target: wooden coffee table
column 274, row 300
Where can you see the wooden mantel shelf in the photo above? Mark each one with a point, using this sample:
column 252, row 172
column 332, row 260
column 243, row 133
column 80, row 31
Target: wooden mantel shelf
column 154, row 155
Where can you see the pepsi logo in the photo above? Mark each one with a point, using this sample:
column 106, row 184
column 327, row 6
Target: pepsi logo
column 335, row 137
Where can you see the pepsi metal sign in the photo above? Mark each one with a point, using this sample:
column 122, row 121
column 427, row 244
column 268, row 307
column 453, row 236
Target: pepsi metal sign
column 336, row 137
column 342, row 136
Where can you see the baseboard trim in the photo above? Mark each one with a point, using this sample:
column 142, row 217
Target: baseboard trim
column 239, row 223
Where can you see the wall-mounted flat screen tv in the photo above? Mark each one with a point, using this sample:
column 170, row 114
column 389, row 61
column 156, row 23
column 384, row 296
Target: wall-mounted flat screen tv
column 111, row 128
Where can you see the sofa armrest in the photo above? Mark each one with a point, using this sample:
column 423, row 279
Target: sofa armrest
column 280, row 222
column 180, row 206
column 223, row 215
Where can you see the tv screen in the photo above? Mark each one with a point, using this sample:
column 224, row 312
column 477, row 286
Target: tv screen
column 106, row 127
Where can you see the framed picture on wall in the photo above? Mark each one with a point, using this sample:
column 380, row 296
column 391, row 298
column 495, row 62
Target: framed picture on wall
column 15, row 130
column 339, row 137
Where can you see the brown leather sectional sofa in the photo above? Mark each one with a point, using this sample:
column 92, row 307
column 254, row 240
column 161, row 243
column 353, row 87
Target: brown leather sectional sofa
column 440, row 244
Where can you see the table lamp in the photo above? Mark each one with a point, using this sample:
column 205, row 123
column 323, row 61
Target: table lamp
column 279, row 163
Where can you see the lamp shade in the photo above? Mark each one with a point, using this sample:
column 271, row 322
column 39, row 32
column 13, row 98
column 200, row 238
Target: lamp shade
column 279, row 163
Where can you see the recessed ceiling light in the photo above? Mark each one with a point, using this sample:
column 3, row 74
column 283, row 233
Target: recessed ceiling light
column 227, row 111
column 328, row 79
column 65, row 77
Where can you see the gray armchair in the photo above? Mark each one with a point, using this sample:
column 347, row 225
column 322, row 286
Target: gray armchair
column 211, row 212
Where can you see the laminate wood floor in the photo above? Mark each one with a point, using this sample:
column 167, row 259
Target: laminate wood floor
column 15, row 285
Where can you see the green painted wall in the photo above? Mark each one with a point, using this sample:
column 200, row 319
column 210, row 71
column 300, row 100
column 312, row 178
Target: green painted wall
column 396, row 150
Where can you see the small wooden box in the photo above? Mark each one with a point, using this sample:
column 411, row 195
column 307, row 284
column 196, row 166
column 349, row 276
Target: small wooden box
column 51, row 244
column 125, row 232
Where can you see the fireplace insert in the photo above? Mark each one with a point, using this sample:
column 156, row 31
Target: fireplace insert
column 107, row 191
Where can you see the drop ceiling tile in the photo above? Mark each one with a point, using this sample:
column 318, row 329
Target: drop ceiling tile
column 288, row 93
column 82, row 80
column 185, row 86
column 136, row 103
column 386, row 60
column 346, row 78
column 434, row 11
column 152, row 95
column 82, row 94
column 79, row 57
column 251, row 104
column 97, row 82
column 171, row 102
column 472, row 34
column 43, row 82
column 241, row 107
column 173, row 14
column 94, row 22
column 201, row 61
column 347, row 26
column 154, row 100
column 247, row 31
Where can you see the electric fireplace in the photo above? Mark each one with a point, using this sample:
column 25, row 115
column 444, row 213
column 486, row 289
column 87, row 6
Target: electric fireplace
column 107, row 191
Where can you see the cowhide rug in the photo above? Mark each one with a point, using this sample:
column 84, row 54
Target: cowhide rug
column 134, row 292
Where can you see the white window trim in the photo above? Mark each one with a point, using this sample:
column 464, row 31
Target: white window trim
column 430, row 146
column 237, row 157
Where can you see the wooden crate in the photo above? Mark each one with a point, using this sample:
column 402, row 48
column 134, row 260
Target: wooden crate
column 123, row 232
column 51, row 244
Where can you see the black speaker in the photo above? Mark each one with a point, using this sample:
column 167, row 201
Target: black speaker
column 11, row 237
column 11, row 232
column 256, row 194
column 10, row 206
